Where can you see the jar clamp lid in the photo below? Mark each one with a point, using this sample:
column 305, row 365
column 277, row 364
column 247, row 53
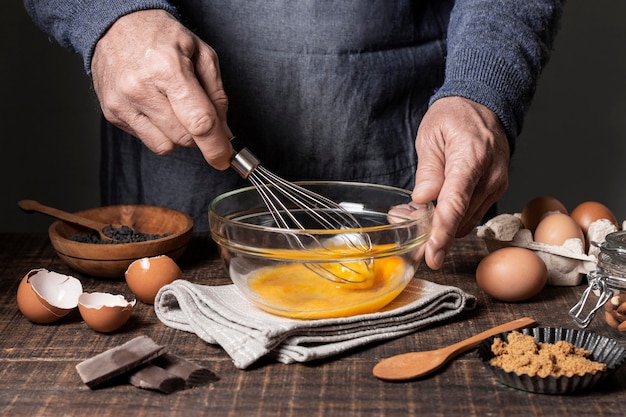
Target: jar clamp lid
column 608, row 278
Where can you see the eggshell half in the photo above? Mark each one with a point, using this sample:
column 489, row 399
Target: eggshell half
column 105, row 312
column 46, row 296
column 146, row 276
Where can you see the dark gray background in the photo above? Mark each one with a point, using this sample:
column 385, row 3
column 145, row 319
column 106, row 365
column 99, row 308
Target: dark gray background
column 573, row 144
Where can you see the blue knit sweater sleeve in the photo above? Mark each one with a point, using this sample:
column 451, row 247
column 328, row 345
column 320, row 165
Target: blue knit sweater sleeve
column 496, row 51
column 496, row 48
column 78, row 25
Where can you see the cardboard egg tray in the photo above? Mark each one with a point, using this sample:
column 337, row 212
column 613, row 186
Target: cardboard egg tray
column 567, row 264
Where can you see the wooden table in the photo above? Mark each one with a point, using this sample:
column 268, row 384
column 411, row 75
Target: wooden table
column 38, row 376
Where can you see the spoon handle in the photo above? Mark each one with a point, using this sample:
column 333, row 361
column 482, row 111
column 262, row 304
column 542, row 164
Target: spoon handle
column 411, row 365
column 32, row 205
column 472, row 342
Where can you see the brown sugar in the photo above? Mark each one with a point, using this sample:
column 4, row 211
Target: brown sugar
column 522, row 355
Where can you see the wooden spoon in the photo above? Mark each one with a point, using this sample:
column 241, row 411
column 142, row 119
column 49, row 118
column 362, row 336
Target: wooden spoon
column 416, row 364
column 32, row 205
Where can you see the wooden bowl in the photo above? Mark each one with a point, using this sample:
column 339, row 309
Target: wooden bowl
column 112, row 260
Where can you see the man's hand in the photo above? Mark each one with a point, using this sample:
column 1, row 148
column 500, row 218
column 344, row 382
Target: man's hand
column 158, row 81
column 463, row 160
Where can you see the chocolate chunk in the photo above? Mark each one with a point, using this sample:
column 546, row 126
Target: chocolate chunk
column 118, row 360
column 158, row 379
column 191, row 372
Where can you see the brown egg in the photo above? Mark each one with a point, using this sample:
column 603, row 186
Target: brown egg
column 45, row 296
column 105, row 312
column 512, row 274
column 146, row 276
column 556, row 228
column 588, row 212
column 537, row 208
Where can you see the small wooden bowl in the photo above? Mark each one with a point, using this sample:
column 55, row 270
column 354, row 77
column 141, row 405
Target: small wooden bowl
column 112, row 260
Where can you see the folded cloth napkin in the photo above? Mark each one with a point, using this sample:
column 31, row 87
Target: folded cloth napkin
column 222, row 315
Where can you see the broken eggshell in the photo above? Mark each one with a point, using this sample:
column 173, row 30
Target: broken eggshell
column 46, row 296
column 567, row 264
column 105, row 312
column 147, row 275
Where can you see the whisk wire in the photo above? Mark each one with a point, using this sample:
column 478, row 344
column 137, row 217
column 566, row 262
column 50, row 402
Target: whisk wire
column 326, row 212
column 283, row 198
column 274, row 205
column 261, row 178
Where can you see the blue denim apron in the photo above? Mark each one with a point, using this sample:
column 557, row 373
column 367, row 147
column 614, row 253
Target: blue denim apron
column 317, row 90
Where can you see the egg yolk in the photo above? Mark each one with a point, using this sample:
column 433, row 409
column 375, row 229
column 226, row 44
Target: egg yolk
column 298, row 291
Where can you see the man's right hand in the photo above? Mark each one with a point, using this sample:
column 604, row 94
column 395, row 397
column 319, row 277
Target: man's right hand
column 161, row 83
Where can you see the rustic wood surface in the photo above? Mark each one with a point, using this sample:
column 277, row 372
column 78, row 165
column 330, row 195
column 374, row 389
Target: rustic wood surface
column 38, row 375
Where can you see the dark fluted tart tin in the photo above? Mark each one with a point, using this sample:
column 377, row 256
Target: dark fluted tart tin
column 602, row 349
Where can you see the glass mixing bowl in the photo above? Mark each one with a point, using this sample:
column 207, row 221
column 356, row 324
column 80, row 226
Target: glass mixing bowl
column 315, row 273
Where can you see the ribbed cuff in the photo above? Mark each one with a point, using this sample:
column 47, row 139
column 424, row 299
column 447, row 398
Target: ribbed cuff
column 487, row 79
column 91, row 19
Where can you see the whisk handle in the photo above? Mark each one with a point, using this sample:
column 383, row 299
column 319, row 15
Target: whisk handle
column 244, row 162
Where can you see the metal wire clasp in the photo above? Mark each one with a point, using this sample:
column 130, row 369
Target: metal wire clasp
column 598, row 285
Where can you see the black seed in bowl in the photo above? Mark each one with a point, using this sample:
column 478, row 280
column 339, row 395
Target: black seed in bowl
column 122, row 234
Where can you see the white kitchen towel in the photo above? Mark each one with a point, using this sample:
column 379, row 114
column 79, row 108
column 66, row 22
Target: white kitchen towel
column 222, row 315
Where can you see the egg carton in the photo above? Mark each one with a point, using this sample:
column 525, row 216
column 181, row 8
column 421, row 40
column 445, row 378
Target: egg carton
column 567, row 264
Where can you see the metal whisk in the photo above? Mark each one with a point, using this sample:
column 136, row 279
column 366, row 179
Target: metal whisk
column 282, row 198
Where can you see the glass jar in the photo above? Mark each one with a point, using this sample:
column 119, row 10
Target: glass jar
column 608, row 283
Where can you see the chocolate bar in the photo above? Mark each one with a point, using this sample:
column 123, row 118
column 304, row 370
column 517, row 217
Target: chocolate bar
column 157, row 379
column 191, row 372
column 118, row 360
